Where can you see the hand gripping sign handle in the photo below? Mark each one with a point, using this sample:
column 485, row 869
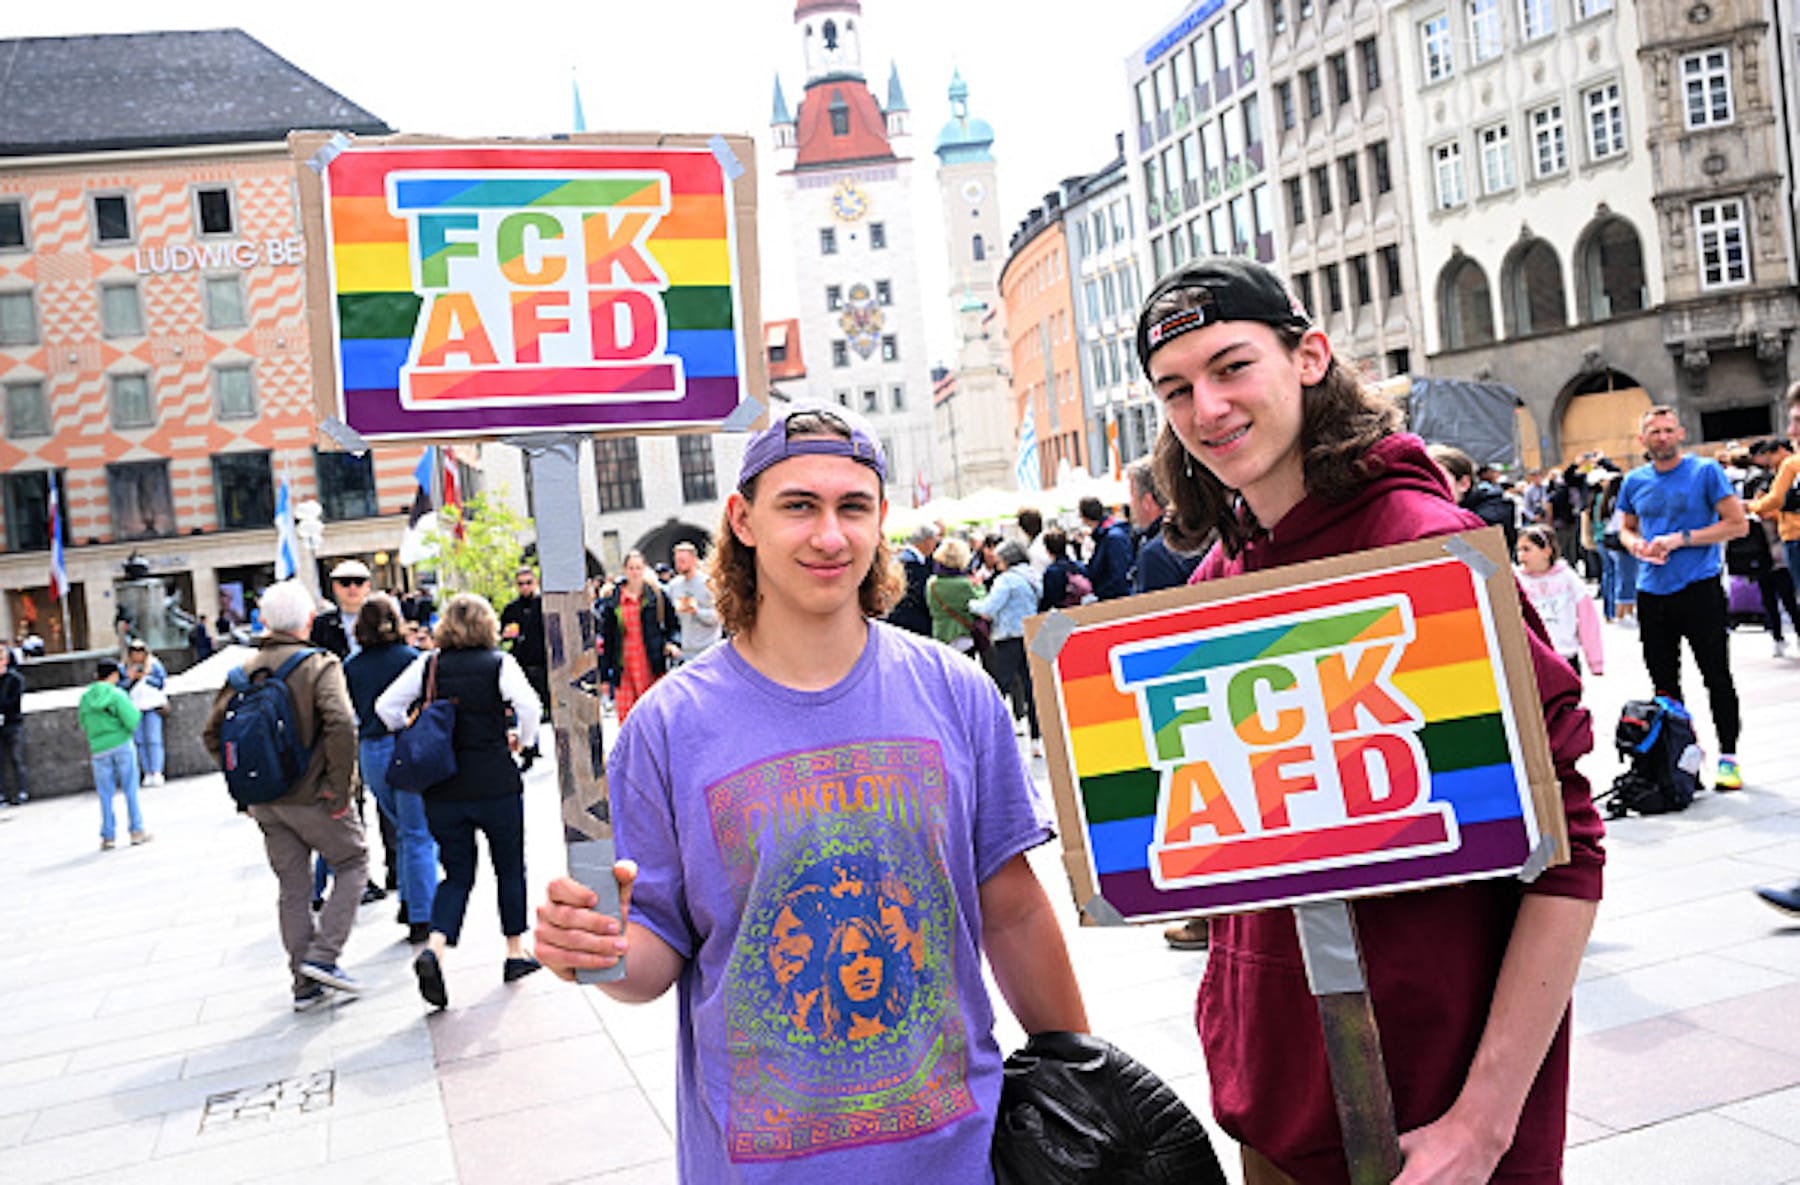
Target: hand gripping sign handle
column 591, row 863
column 571, row 675
column 1359, row 1085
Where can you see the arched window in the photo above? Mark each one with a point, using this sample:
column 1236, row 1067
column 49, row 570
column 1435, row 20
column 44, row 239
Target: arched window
column 1534, row 292
column 830, row 32
column 1610, row 271
column 979, row 249
column 1465, row 308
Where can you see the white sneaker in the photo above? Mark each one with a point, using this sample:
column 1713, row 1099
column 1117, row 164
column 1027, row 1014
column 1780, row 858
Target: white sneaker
column 1780, row 648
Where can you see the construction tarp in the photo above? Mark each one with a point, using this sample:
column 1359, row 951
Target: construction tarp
column 1477, row 418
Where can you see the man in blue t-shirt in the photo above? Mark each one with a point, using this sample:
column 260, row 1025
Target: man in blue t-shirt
column 821, row 862
column 1678, row 510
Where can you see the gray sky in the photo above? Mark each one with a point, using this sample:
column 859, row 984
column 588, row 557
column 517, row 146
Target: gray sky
column 1050, row 77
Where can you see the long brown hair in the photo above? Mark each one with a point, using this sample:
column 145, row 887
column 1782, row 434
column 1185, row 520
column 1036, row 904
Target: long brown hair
column 731, row 572
column 1340, row 420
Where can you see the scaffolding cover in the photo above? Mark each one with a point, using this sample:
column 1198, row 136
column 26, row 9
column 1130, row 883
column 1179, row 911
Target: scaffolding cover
column 1475, row 417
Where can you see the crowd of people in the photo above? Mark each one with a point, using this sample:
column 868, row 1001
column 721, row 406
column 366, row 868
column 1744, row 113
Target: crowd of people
column 824, row 867
column 370, row 661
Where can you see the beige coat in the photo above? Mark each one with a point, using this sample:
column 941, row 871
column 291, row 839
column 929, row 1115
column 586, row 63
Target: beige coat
column 322, row 707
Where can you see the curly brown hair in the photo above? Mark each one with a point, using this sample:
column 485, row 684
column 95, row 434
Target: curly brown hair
column 1340, row 420
column 731, row 571
column 468, row 623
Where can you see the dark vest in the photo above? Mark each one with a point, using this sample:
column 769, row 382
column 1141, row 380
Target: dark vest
column 484, row 766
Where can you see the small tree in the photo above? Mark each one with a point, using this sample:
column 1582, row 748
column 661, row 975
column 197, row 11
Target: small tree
column 484, row 559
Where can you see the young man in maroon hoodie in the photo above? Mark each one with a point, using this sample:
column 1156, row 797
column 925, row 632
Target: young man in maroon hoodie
column 1275, row 445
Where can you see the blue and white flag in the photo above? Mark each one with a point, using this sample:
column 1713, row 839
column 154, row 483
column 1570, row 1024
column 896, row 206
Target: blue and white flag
column 59, row 575
column 287, row 541
column 1025, row 471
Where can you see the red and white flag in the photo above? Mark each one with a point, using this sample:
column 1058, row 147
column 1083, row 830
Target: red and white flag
column 453, row 491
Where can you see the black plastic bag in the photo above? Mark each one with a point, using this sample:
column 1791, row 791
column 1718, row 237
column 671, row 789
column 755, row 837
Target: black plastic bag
column 1076, row 1110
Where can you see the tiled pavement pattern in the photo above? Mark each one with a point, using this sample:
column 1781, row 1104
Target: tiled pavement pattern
column 146, row 1034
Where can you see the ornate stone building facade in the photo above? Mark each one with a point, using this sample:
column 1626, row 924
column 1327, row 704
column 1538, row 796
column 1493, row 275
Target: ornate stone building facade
column 1720, row 140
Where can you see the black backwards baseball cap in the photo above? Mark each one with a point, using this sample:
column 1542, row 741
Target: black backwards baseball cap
column 1227, row 288
column 777, row 442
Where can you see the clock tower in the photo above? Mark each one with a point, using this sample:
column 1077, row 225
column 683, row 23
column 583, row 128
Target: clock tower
column 848, row 194
column 974, row 416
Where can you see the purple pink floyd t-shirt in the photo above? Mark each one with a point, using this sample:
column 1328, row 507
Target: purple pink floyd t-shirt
column 816, row 857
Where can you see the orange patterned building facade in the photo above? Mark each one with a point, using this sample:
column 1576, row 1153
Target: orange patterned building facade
column 153, row 354
column 154, row 367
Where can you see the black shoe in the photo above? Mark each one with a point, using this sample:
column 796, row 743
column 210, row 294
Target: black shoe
column 431, row 979
column 318, row 903
column 527, row 758
column 517, row 969
column 373, row 892
column 417, row 933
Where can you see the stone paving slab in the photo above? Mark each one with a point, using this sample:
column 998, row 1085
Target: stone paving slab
column 145, row 985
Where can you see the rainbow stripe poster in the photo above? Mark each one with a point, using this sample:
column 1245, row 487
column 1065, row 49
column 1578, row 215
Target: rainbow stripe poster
column 483, row 289
column 1360, row 725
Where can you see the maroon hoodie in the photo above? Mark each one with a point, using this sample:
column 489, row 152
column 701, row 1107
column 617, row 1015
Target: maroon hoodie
column 1433, row 956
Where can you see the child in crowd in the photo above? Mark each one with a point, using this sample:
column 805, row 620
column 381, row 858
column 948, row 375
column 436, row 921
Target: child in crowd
column 1560, row 598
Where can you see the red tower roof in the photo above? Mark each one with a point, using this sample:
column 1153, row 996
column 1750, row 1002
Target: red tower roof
column 865, row 137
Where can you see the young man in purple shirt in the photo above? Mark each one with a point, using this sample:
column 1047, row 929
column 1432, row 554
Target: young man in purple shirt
column 822, row 827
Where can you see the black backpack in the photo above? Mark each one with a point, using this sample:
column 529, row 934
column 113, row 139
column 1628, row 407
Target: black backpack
column 1657, row 737
column 259, row 740
column 1749, row 555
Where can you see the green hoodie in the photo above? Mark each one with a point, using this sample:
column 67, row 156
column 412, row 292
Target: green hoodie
column 107, row 716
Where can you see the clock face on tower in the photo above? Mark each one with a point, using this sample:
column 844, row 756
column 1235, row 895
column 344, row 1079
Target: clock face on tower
column 848, row 201
column 973, row 192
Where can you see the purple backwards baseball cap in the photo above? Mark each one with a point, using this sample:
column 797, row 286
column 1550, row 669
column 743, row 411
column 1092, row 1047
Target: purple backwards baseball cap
column 818, row 428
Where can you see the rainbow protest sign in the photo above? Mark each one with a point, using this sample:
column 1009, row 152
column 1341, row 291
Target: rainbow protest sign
column 475, row 289
column 1366, row 725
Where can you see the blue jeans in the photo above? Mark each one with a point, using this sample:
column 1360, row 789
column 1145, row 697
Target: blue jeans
column 115, row 770
column 1618, row 580
column 149, row 739
column 415, row 851
column 1792, row 547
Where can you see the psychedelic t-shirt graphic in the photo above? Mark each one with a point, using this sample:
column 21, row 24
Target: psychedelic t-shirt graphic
column 843, row 1022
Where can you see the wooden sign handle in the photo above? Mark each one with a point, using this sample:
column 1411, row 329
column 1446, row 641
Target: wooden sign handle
column 1359, row 1084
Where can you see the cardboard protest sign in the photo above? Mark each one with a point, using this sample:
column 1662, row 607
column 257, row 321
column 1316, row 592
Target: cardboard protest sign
column 1359, row 725
column 460, row 289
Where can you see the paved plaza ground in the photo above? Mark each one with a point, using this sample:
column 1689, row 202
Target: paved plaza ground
column 146, row 1033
